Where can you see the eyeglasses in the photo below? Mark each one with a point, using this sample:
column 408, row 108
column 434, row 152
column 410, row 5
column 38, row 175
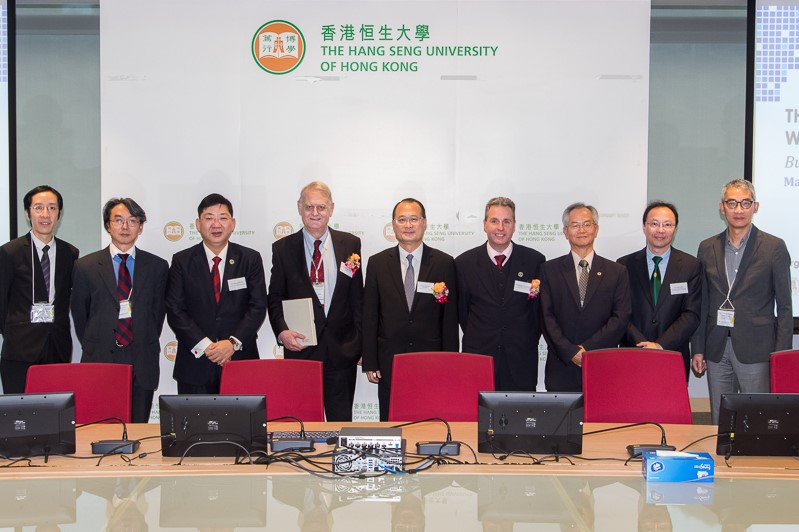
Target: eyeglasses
column 39, row 208
column 667, row 226
column 745, row 204
column 132, row 222
column 404, row 220
column 321, row 209
column 584, row 225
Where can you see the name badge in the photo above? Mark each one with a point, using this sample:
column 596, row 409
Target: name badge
column 42, row 313
column 726, row 318
column 346, row 270
column 424, row 288
column 319, row 288
column 237, row 284
column 125, row 309
column 521, row 286
column 678, row 288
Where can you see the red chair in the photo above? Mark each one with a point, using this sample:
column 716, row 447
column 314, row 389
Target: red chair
column 635, row 385
column 438, row 384
column 292, row 387
column 101, row 390
column 784, row 369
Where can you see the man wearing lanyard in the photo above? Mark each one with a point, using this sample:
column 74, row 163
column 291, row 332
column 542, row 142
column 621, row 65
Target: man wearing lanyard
column 747, row 271
column 118, row 303
column 35, row 282
column 323, row 265
column 216, row 300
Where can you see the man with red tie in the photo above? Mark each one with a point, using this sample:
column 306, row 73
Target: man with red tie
column 497, row 311
column 216, row 300
column 118, row 303
column 323, row 265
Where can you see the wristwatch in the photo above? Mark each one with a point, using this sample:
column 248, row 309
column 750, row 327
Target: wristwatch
column 236, row 344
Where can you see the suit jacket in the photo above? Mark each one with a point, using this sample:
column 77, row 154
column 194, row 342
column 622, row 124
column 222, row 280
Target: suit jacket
column 95, row 311
column 763, row 278
column 193, row 313
column 22, row 340
column 338, row 334
column 504, row 324
column 389, row 328
column 675, row 318
column 600, row 323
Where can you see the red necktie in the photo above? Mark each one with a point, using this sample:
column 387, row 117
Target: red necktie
column 216, row 279
column 500, row 259
column 124, row 331
column 317, row 264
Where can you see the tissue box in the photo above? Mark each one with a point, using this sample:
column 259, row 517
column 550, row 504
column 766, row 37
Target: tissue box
column 670, row 466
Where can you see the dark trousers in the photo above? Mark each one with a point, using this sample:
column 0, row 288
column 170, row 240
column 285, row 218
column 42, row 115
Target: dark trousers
column 383, row 395
column 185, row 388
column 141, row 402
column 339, row 386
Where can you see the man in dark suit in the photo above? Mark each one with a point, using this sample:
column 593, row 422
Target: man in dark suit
column 665, row 287
column 585, row 301
column 215, row 301
column 35, row 283
column 118, row 303
column 747, row 276
column 498, row 313
column 321, row 264
column 405, row 309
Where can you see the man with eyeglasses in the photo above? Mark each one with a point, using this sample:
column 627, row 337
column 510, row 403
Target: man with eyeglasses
column 215, row 300
column 118, row 303
column 410, row 301
column 35, row 282
column 747, row 276
column 498, row 313
column 321, row 264
column 665, row 287
column 585, row 301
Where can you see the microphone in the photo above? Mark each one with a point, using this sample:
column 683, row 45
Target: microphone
column 435, row 448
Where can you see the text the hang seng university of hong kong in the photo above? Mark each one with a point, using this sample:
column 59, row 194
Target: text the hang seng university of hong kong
column 386, row 48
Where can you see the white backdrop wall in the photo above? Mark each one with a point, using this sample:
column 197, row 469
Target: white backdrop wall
column 555, row 112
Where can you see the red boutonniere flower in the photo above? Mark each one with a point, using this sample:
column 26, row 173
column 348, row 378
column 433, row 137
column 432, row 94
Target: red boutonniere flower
column 440, row 292
column 353, row 263
column 535, row 289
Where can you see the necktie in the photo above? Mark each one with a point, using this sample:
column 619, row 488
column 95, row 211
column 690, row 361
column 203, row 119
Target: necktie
column 409, row 275
column 317, row 264
column 124, row 331
column 500, row 259
column 656, row 279
column 45, row 263
column 582, row 283
column 216, row 279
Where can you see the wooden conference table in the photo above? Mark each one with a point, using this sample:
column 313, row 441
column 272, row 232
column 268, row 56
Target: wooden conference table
column 152, row 493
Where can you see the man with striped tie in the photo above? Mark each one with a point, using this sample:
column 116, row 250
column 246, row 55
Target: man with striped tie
column 118, row 303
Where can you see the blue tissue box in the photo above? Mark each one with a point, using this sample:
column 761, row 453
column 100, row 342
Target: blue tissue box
column 676, row 468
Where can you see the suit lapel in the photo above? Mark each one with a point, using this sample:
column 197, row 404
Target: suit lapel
column 395, row 274
column 483, row 269
column 232, row 269
column 425, row 268
column 106, row 271
column 640, row 270
column 200, row 272
column 672, row 272
column 341, row 256
column 749, row 252
column 594, row 278
column 570, row 277
column 721, row 263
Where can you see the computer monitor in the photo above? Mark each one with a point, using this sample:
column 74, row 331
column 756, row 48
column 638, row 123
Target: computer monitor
column 216, row 423
column 37, row 424
column 530, row 422
column 758, row 424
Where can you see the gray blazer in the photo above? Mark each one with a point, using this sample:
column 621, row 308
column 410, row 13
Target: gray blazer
column 763, row 277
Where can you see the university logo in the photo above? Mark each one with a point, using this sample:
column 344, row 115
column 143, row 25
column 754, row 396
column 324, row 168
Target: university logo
column 170, row 351
column 173, row 231
column 278, row 47
column 388, row 233
column 282, row 229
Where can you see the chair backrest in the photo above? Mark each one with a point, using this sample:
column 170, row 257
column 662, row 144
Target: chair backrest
column 292, row 387
column 438, row 384
column 101, row 390
column 635, row 385
column 784, row 369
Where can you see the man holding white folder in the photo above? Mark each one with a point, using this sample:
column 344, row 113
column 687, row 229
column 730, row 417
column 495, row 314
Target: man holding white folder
column 321, row 265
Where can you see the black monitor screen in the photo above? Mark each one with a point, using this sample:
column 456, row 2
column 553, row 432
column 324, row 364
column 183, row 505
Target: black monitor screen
column 758, row 424
column 530, row 422
column 37, row 424
column 208, row 419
